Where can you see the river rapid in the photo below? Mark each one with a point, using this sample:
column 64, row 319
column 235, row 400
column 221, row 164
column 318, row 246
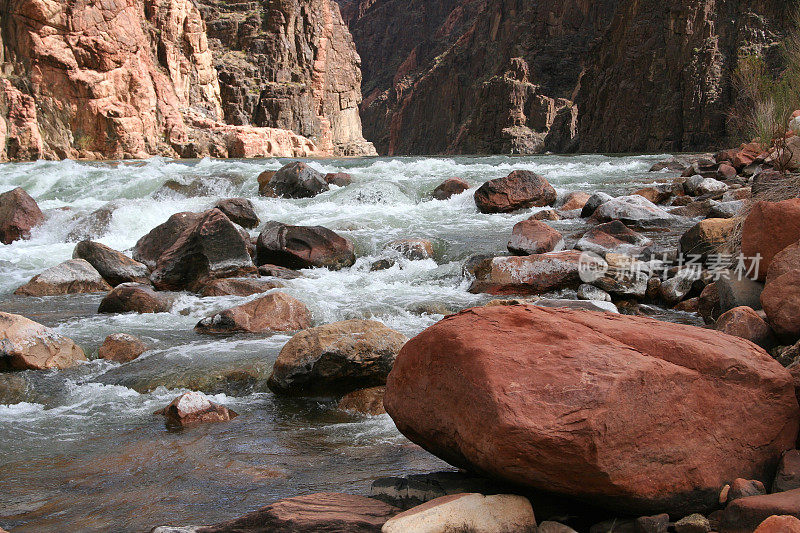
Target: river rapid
column 81, row 447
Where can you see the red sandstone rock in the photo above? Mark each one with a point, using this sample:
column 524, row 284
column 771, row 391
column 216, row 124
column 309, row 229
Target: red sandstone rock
column 19, row 214
column 784, row 261
column 781, row 303
column 746, row 514
column 594, row 405
column 121, row 347
column 303, row 247
column 413, row 249
column 768, row 229
column 239, row 211
column 449, row 188
column 297, row 180
column 532, row 274
column 274, row 312
column 70, row 277
column 534, row 237
column 779, row 524
column 340, row 179
column 193, row 408
column 574, row 200
column 788, row 474
column 519, row 190
column 744, row 322
column 150, row 247
column 238, row 287
column 28, row 345
column 137, row 298
column 366, row 401
column 114, row 266
column 313, row 512
column 613, row 237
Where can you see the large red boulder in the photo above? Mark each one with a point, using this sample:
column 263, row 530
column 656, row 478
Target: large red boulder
column 768, row 229
column 534, row 237
column 211, row 248
column 519, row 190
column 19, row 213
column 781, row 303
column 746, row 514
column 744, row 322
column 779, row 524
column 28, row 345
column 784, row 261
column 636, row 414
column 274, row 312
column 150, row 247
column 530, row 274
column 303, row 247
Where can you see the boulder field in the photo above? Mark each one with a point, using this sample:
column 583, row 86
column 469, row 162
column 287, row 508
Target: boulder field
column 638, row 415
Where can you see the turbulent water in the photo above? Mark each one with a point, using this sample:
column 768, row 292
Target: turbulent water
column 83, row 447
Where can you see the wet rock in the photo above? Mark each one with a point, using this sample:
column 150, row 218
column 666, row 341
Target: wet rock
column 264, row 188
column 340, row 179
column 335, row 358
column 746, row 514
column 114, row 266
column 735, row 292
column 298, row 180
column 590, row 292
column 150, row 247
column 303, row 247
column 652, row 524
column 694, row 523
column 594, row 201
column 709, row 237
column 94, row 225
column 768, row 229
column 13, row 387
column 633, row 210
column 744, row 322
column 449, row 188
column 274, row 312
column 275, row 271
column 28, row 345
column 365, row 401
column 677, row 288
column 412, row 249
column 642, row 367
column 613, row 237
column 725, row 209
column 788, row 474
column 200, row 186
column 238, row 287
column 136, row 298
column 547, row 214
column 70, row 277
column 497, row 513
column 589, row 305
column 784, row 261
column 121, row 347
column 19, row 214
column 534, row 237
column 779, row 524
column 326, row 511
column 573, row 200
column 194, row 408
column 415, row 489
column 781, row 302
column 532, row 274
column 742, row 488
column 519, row 190
column 209, row 249
column 239, row 211
column 673, row 165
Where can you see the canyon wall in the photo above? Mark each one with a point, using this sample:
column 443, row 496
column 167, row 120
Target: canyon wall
column 102, row 79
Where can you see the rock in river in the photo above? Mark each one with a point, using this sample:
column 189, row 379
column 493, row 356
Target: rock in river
column 19, row 214
column 136, row 298
column 150, row 247
column 519, row 190
column 193, row 408
column 531, row 274
column 598, row 406
column 274, row 312
column 28, row 345
column 114, row 266
column 70, row 277
column 303, row 247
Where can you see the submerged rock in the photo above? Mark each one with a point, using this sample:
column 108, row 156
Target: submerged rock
column 19, row 214
column 365, row 401
column 449, row 188
column 211, row 248
column 28, row 345
column 519, row 190
column 340, row 179
column 275, row 312
column 70, row 277
column 114, row 266
column 194, row 408
column 303, row 247
column 412, row 249
column 553, row 430
column 335, row 358
column 136, row 298
column 121, row 348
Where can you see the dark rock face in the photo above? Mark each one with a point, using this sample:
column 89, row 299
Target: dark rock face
column 150, row 247
column 288, row 64
column 674, row 61
column 19, row 213
column 298, row 180
column 114, row 266
column 303, row 247
column 137, row 298
column 240, row 211
column 519, row 190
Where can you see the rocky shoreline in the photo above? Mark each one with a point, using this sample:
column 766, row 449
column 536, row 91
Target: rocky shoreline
column 554, row 401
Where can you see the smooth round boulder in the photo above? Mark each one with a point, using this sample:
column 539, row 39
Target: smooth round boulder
column 19, row 214
column 605, row 439
column 149, row 248
column 534, row 237
column 121, row 348
column 768, row 229
column 136, row 298
column 28, row 345
column 613, row 237
column 781, row 303
column 74, row 276
column 336, row 358
column 340, row 179
column 298, row 180
column 449, row 188
column 519, row 190
column 274, row 312
column 745, row 323
column 114, row 266
column 194, row 408
column 239, row 211
column 299, row 247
